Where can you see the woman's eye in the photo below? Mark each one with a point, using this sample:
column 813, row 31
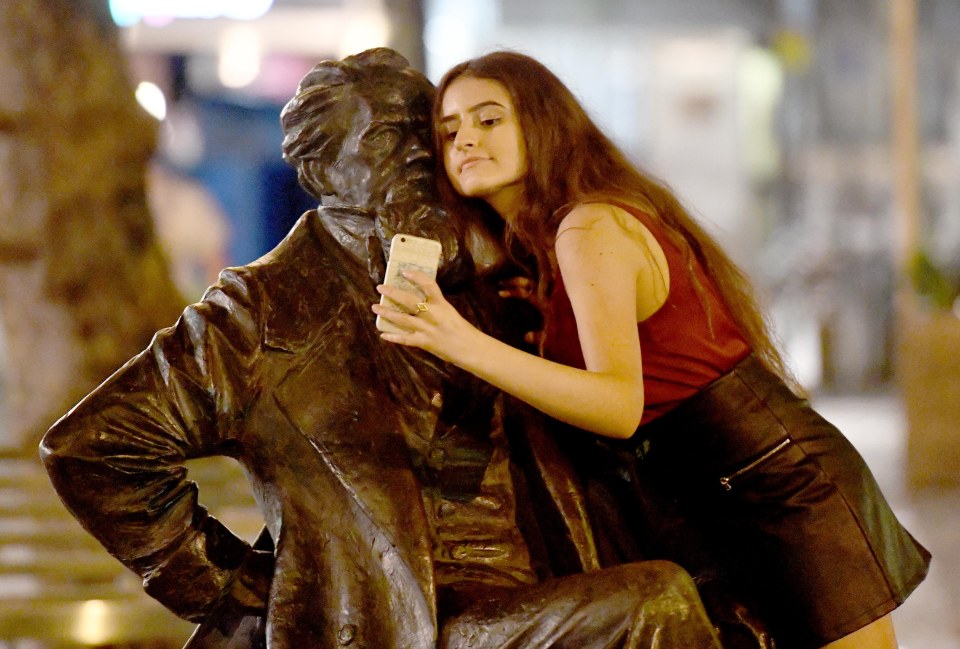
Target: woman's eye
column 450, row 136
column 490, row 121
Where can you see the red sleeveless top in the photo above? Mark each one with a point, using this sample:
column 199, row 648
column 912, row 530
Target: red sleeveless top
column 682, row 350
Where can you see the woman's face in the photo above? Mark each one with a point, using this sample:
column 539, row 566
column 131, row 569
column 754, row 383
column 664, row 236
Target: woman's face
column 483, row 149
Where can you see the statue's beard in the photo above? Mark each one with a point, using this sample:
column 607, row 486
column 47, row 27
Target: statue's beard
column 418, row 212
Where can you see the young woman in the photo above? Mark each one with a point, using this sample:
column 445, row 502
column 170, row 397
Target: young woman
column 654, row 343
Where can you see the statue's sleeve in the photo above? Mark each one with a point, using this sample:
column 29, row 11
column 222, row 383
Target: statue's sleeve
column 117, row 458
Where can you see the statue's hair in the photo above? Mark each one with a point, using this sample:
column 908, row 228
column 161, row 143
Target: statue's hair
column 305, row 119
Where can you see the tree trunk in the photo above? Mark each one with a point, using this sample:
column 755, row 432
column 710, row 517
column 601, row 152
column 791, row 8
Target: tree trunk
column 83, row 282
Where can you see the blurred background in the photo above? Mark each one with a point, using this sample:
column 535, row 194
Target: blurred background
column 140, row 154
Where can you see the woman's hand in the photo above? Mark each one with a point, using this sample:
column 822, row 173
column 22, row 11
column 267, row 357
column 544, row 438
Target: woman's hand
column 520, row 287
column 432, row 322
column 601, row 264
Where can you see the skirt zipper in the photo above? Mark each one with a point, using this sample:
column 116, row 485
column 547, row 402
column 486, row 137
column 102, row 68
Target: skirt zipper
column 725, row 481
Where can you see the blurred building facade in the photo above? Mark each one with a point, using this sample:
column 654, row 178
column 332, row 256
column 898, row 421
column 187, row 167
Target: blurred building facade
column 770, row 118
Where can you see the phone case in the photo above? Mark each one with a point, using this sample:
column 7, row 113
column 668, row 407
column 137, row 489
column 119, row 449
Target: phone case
column 408, row 252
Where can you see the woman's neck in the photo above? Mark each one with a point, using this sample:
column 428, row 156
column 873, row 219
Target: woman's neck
column 507, row 201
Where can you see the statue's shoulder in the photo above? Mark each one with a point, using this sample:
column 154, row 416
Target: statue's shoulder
column 299, row 251
column 263, row 279
column 303, row 282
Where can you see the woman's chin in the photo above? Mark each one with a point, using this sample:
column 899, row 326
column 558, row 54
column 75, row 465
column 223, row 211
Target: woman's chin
column 467, row 184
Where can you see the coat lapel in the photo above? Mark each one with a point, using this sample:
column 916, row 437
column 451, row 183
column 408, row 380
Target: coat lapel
column 358, row 434
column 333, row 393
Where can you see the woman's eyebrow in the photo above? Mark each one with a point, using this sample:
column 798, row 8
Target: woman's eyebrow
column 473, row 109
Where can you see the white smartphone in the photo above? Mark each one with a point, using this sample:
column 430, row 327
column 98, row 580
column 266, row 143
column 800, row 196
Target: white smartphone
column 407, row 252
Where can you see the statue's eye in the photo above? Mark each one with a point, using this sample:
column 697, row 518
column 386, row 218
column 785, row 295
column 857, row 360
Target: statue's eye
column 381, row 138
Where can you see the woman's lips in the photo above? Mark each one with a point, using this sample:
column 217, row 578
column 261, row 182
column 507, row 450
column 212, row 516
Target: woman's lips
column 470, row 162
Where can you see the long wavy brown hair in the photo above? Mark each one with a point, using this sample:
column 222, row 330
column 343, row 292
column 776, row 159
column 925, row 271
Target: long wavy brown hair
column 571, row 161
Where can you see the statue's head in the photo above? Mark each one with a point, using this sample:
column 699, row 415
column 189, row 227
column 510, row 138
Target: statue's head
column 359, row 132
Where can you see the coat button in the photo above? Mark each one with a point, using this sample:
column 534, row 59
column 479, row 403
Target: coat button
column 346, row 634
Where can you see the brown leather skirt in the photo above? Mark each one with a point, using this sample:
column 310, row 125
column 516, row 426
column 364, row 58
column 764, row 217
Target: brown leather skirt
column 786, row 507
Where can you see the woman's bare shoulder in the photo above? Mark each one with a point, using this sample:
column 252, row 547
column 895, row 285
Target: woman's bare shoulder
column 605, row 219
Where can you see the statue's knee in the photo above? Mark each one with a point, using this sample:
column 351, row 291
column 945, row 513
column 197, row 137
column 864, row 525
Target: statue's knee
column 662, row 572
column 660, row 580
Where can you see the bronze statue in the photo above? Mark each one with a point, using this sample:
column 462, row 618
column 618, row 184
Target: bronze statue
column 393, row 516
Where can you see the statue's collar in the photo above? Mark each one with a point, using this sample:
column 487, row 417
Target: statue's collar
column 350, row 227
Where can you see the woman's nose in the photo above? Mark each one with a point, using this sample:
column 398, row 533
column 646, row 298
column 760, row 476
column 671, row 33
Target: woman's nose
column 466, row 137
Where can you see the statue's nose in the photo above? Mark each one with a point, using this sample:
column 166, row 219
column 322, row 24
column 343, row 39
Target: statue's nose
column 417, row 152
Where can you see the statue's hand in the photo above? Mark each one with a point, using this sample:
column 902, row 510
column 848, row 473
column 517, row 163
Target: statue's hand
column 250, row 587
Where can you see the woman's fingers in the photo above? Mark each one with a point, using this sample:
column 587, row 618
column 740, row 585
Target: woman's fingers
column 404, row 306
column 400, row 318
column 520, row 287
column 425, row 283
column 405, row 301
column 396, row 300
column 410, row 301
